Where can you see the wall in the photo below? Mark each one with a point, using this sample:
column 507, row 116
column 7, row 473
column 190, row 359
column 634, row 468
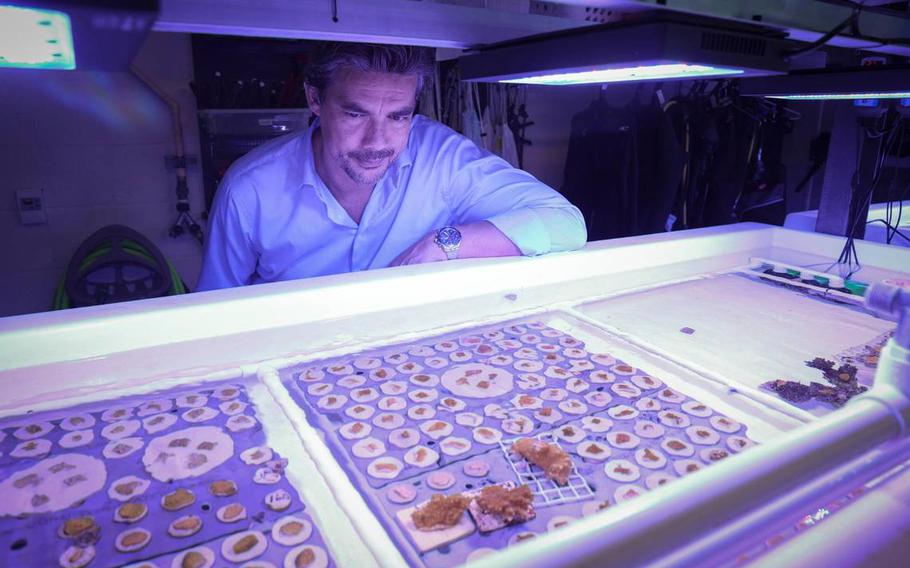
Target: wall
column 95, row 143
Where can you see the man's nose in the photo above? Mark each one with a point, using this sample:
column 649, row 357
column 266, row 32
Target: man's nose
column 374, row 135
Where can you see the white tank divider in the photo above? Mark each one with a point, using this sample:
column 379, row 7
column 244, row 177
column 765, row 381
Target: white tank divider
column 731, row 387
column 281, row 363
column 342, row 494
column 63, row 399
column 566, row 308
column 250, row 370
column 345, row 545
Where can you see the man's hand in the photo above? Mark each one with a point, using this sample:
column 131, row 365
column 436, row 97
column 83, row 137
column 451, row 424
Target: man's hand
column 424, row 250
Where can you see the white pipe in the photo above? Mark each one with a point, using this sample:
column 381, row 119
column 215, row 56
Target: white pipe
column 835, row 542
column 176, row 122
column 737, row 537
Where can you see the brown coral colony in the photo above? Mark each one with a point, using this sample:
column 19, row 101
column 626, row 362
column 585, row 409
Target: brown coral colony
column 441, row 511
column 510, row 505
column 554, row 462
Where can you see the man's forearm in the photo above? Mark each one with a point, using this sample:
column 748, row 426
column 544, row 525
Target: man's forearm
column 483, row 239
column 478, row 240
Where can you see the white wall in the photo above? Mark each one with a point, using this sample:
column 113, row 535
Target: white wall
column 95, row 143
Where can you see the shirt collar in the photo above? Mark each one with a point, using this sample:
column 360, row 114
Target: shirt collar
column 310, row 179
column 307, row 173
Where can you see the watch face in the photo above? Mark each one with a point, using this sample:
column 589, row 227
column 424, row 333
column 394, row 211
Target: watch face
column 448, row 236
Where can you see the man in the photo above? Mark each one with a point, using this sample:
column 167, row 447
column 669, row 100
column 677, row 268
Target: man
column 371, row 185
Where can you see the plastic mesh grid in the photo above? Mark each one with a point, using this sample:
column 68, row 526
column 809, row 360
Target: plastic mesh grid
column 546, row 492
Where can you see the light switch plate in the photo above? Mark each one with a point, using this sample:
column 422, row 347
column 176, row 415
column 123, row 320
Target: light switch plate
column 30, row 203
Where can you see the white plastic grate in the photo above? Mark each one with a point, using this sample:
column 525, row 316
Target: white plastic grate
column 546, row 491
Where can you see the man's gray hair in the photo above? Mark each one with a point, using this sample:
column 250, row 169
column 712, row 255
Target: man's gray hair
column 330, row 57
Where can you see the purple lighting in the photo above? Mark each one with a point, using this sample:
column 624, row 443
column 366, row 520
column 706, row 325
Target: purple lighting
column 626, row 74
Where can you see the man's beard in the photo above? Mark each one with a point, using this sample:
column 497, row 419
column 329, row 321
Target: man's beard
column 349, row 163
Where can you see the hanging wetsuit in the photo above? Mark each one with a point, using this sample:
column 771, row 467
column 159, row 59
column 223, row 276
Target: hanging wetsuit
column 601, row 176
column 660, row 161
column 731, row 166
column 622, row 168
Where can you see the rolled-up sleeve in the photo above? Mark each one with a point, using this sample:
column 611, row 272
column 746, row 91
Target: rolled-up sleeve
column 532, row 215
column 230, row 257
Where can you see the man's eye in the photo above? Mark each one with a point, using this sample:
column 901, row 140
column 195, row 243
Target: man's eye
column 402, row 118
column 353, row 114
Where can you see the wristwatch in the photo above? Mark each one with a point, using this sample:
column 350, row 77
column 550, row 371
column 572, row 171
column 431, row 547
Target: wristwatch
column 449, row 240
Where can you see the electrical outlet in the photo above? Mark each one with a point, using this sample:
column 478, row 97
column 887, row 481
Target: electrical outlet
column 30, row 203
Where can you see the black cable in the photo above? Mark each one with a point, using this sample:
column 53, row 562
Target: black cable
column 889, row 208
column 848, row 254
column 866, row 202
column 855, row 33
column 852, row 19
column 897, row 223
column 891, row 227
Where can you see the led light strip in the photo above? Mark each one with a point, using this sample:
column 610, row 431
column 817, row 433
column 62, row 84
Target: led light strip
column 617, row 75
column 842, row 96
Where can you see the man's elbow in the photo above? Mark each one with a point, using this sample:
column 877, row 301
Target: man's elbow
column 573, row 234
column 579, row 234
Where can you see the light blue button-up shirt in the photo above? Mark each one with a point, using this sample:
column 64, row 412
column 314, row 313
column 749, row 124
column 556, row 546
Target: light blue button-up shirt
column 274, row 218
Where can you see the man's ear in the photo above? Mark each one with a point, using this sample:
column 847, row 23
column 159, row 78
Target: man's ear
column 312, row 98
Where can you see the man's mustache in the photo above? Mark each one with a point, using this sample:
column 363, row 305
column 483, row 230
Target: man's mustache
column 371, row 155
